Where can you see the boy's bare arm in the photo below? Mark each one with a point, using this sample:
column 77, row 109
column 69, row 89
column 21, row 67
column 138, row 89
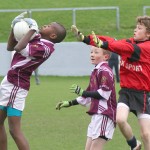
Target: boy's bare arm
column 11, row 41
column 24, row 41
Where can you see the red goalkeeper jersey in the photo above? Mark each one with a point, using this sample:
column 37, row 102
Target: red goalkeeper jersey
column 134, row 63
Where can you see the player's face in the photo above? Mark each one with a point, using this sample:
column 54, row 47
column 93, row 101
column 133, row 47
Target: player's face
column 96, row 55
column 47, row 29
column 140, row 33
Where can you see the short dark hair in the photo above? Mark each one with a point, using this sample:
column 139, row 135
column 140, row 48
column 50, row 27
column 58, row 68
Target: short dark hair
column 60, row 32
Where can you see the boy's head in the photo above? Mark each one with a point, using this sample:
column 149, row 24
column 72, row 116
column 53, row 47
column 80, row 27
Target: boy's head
column 98, row 55
column 144, row 20
column 142, row 30
column 53, row 32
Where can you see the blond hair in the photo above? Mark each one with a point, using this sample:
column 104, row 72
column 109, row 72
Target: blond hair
column 106, row 52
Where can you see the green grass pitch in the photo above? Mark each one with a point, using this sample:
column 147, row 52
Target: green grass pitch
column 44, row 127
column 50, row 129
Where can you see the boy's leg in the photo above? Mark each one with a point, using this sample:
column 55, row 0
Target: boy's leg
column 145, row 132
column 100, row 129
column 121, row 118
column 88, row 143
column 125, row 128
column 16, row 133
column 3, row 136
column 14, row 121
column 98, row 144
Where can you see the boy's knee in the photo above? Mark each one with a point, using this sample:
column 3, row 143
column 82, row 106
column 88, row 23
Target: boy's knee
column 145, row 136
column 11, row 132
column 120, row 121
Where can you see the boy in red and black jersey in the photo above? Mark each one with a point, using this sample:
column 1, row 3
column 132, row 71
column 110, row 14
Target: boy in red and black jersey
column 134, row 77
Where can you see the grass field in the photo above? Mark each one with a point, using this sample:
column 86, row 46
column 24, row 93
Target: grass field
column 48, row 129
column 44, row 127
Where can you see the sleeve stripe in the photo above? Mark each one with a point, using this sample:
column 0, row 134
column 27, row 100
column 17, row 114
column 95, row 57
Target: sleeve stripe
column 104, row 94
column 136, row 54
column 105, row 45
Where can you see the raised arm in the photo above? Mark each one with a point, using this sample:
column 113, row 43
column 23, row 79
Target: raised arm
column 28, row 36
column 24, row 41
column 11, row 39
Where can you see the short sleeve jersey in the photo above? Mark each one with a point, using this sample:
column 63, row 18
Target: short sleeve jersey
column 25, row 62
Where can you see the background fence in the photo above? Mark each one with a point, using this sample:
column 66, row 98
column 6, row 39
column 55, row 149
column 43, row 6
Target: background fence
column 145, row 9
column 70, row 58
column 30, row 11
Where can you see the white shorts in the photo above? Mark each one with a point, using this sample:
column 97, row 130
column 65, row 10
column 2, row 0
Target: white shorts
column 100, row 125
column 139, row 115
column 11, row 95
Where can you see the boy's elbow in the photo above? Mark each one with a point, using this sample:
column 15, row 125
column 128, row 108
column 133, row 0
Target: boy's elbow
column 17, row 48
column 10, row 48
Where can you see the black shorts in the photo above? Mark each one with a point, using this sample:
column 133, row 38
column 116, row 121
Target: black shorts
column 137, row 101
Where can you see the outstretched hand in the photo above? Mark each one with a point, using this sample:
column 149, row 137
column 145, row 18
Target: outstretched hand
column 76, row 89
column 62, row 104
column 97, row 41
column 32, row 23
column 77, row 33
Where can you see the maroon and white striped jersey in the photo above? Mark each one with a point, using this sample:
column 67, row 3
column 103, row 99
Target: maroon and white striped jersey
column 101, row 80
column 24, row 63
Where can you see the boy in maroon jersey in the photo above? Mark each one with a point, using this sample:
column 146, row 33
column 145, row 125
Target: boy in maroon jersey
column 101, row 97
column 15, row 85
column 134, row 78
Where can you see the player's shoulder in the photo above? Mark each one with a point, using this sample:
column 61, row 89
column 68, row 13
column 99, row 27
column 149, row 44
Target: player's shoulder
column 144, row 45
column 104, row 68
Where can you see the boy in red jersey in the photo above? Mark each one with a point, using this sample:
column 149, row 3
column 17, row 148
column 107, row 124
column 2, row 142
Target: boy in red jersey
column 15, row 85
column 134, row 78
column 101, row 97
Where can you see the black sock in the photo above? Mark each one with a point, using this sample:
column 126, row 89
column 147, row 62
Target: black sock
column 132, row 142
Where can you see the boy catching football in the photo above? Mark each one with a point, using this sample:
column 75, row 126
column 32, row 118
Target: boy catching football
column 15, row 86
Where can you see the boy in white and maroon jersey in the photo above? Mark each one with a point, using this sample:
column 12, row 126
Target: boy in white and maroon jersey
column 101, row 97
column 29, row 55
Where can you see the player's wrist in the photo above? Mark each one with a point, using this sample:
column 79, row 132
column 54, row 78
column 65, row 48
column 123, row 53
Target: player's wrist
column 80, row 36
column 73, row 102
column 104, row 45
